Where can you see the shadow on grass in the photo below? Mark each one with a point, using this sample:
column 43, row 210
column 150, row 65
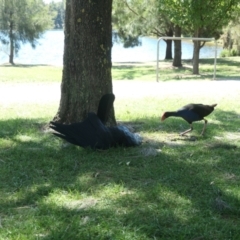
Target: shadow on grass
column 167, row 72
column 131, row 72
column 221, row 77
column 184, row 192
column 221, row 61
column 136, row 70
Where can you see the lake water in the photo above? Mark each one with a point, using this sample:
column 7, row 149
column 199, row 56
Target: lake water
column 50, row 51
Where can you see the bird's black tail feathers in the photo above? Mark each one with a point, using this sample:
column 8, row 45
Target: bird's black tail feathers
column 62, row 132
column 213, row 105
column 66, row 138
column 58, row 127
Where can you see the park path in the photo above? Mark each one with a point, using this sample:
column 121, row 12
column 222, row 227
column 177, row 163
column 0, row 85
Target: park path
column 50, row 92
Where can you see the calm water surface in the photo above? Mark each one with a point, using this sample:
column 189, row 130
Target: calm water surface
column 50, row 51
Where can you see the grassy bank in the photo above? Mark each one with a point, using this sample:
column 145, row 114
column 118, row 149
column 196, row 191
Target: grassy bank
column 170, row 187
column 227, row 68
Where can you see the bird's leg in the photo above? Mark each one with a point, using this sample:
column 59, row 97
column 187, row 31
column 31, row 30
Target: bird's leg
column 189, row 130
column 204, row 127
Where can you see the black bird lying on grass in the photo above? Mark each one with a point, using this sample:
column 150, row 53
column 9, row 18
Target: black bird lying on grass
column 93, row 133
column 191, row 113
column 105, row 106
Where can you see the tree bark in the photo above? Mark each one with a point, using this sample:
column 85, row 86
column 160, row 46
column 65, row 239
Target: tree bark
column 87, row 59
column 11, row 54
column 168, row 50
column 177, row 60
column 169, row 33
column 196, row 51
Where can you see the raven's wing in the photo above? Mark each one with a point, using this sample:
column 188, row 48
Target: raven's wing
column 98, row 135
column 104, row 107
column 89, row 133
column 123, row 137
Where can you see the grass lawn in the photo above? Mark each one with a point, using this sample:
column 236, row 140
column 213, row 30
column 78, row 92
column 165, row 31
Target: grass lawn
column 170, row 187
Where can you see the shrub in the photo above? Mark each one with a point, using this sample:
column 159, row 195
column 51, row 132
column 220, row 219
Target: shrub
column 229, row 53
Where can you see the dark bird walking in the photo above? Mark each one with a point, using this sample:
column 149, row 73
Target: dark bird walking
column 93, row 133
column 191, row 113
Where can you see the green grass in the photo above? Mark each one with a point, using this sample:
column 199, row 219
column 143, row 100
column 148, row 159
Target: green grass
column 170, row 187
column 227, row 68
column 22, row 73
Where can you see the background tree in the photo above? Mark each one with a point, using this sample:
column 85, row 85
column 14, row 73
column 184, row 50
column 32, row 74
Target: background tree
column 22, row 21
column 87, row 59
column 58, row 9
column 172, row 9
column 231, row 34
column 136, row 18
column 198, row 18
column 207, row 19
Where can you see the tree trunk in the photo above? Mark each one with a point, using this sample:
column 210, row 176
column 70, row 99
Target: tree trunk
column 168, row 55
column 177, row 60
column 87, row 59
column 11, row 54
column 196, row 51
column 168, row 49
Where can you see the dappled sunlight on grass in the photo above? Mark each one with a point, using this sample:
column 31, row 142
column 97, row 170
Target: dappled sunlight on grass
column 25, row 138
column 170, row 187
column 225, row 69
column 128, row 72
column 232, row 135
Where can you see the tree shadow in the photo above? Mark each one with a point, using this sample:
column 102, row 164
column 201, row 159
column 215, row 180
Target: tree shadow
column 221, row 77
column 185, row 71
column 131, row 72
column 223, row 61
column 155, row 196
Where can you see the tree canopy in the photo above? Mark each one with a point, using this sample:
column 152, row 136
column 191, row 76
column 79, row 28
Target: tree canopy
column 195, row 18
column 231, row 36
column 58, row 9
column 199, row 19
column 132, row 19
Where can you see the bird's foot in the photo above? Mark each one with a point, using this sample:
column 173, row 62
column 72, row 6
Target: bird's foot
column 192, row 138
column 189, row 138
